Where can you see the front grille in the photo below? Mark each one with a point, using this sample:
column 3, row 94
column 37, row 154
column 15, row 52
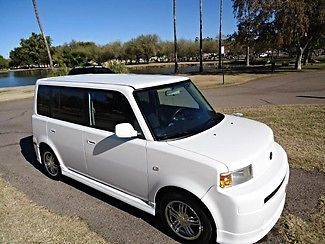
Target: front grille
column 273, row 192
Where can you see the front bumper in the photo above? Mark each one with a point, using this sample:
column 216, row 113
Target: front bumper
column 247, row 212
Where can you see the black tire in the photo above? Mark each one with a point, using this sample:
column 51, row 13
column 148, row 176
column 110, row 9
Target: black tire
column 192, row 215
column 51, row 164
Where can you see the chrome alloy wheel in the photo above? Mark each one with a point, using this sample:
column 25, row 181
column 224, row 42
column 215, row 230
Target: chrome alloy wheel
column 50, row 164
column 183, row 220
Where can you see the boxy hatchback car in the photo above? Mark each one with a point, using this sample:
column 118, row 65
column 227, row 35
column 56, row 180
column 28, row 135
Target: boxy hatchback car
column 155, row 143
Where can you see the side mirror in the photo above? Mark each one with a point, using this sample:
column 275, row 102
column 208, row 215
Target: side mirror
column 125, row 130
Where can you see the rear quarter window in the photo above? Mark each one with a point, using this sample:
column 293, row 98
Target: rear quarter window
column 43, row 100
column 69, row 104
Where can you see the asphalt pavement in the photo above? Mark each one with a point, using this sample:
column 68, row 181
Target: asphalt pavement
column 114, row 220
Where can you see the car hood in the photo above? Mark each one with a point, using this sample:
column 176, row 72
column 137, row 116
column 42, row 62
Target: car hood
column 235, row 142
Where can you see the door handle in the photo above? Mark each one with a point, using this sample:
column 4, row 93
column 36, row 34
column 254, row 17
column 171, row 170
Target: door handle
column 91, row 142
column 52, row 131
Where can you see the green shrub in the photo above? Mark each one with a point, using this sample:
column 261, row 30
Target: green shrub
column 117, row 67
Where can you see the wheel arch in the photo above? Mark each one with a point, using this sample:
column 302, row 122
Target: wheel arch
column 44, row 145
column 168, row 189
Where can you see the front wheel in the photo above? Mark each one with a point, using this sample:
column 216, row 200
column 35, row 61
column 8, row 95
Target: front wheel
column 186, row 219
column 51, row 164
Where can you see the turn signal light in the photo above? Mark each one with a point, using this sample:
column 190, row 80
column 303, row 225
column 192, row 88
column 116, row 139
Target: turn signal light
column 225, row 180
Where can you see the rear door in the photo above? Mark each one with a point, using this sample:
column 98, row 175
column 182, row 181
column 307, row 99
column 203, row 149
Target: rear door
column 120, row 163
column 65, row 128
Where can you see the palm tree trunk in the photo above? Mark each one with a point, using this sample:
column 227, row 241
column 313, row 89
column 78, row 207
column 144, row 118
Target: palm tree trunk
column 201, row 48
column 220, row 32
column 43, row 34
column 175, row 38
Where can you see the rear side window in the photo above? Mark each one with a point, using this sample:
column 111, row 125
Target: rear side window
column 109, row 108
column 101, row 109
column 43, row 100
column 68, row 104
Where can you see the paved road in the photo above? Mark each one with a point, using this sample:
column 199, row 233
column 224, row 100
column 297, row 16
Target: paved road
column 114, row 220
column 294, row 88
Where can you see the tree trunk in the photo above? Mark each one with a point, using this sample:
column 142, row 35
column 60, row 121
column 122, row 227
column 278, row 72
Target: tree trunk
column 43, row 34
column 201, row 41
column 300, row 52
column 220, row 32
column 299, row 59
column 175, row 38
column 247, row 56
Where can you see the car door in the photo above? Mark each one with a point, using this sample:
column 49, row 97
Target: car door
column 120, row 163
column 65, row 128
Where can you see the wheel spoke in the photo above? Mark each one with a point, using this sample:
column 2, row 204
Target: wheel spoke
column 189, row 230
column 177, row 226
column 173, row 212
column 193, row 221
column 182, row 208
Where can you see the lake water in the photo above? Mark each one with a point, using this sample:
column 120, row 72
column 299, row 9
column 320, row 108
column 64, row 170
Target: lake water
column 29, row 77
column 21, row 78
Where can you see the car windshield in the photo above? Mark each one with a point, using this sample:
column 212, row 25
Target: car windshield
column 176, row 110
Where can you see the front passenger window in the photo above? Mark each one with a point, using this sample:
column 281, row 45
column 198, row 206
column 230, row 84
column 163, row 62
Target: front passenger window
column 109, row 108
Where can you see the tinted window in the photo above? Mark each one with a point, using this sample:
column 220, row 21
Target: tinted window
column 68, row 104
column 109, row 108
column 43, row 100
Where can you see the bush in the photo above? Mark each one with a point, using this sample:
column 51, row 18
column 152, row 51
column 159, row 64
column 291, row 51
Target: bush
column 117, row 67
column 63, row 70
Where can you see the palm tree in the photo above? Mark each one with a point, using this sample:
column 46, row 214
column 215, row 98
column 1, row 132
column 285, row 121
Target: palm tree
column 43, row 34
column 201, row 58
column 175, row 37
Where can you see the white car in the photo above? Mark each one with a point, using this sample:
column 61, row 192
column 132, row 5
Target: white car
column 155, row 143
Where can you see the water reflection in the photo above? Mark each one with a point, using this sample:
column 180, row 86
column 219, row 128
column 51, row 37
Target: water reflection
column 29, row 77
column 21, row 78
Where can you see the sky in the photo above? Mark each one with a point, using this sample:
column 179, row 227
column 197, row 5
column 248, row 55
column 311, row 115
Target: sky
column 104, row 21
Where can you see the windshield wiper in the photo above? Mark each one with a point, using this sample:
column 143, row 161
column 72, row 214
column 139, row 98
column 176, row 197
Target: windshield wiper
column 214, row 119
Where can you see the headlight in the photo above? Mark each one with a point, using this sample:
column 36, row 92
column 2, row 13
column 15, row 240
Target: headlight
column 236, row 177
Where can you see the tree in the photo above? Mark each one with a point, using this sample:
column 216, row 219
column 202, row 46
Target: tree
column 43, row 34
column 31, row 52
column 292, row 23
column 4, row 64
column 175, row 38
column 201, row 41
column 188, row 50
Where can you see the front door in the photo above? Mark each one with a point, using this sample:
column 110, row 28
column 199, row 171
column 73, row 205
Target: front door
column 120, row 163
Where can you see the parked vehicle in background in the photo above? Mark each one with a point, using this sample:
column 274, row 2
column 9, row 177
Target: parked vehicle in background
column 155, row 143
column 90, row 70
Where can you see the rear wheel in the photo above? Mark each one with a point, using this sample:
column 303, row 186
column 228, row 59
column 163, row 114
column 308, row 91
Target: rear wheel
column 51, row 164
column 186, row 219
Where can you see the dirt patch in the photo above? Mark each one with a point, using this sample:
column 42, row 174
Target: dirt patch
column 212, row 81
column 15, row 93
column 304, row 191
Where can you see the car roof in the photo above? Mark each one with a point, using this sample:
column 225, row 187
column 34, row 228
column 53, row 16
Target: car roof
column 133, row 80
